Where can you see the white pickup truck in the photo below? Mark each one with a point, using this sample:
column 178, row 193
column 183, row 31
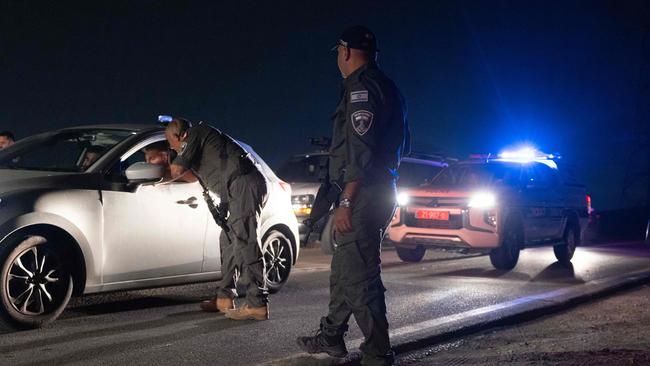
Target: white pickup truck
column 495, row 205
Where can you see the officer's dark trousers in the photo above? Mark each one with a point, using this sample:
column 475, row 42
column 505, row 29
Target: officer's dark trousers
column 240, row 248
column 355, row 282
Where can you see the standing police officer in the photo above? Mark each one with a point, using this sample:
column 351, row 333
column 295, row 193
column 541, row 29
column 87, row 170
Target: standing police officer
column 223, row 166
column 370, row 136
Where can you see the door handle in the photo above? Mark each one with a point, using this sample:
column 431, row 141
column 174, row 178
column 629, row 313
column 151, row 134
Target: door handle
column 190, row 202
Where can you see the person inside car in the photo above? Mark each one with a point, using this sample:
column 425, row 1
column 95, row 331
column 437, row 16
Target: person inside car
column 158, row 154
column 92, row 153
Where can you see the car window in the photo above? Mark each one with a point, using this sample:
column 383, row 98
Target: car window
column 546, row 175
column 67, row 151
column 414, row 174
column 134, row 155
column 303, row 169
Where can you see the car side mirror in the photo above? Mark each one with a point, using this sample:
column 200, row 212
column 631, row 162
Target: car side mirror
column 141, row 172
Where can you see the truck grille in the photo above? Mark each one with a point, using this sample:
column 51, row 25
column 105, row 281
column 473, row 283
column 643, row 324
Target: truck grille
column 438, row 201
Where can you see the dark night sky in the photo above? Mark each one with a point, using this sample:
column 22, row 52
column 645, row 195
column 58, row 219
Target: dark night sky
column 477, row 75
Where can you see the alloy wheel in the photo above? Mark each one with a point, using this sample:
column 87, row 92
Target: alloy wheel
column 34, row 282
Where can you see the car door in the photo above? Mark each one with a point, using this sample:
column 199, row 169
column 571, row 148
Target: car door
column 553, row 222
column 153, row 230
column 535, row 198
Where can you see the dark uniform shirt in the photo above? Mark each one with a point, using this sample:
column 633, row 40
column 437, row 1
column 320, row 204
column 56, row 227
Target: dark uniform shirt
column 371, row 131
column 214, row 156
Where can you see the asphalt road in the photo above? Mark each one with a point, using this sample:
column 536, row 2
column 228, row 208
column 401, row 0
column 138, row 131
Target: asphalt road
column 164, row 326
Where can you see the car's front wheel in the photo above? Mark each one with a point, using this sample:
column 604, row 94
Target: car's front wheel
column 506, row 256
column 278, row 259
column 36, row 282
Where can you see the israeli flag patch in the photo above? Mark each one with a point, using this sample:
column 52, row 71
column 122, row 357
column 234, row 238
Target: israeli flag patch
column 359, row 96
column 362, row 121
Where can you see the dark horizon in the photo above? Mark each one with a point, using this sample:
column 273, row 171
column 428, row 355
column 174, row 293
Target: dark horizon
column 478, row 76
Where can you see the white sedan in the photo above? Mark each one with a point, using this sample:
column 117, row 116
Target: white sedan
column 69, row 228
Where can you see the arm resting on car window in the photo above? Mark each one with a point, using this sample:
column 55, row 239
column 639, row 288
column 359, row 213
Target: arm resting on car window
column 180, row 173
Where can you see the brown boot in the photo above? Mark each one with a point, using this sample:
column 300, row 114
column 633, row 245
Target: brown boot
column 218, row 304
column 247, row 312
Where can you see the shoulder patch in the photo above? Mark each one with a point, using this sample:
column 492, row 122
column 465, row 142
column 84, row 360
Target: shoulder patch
column 359, row 96
column 362, row 121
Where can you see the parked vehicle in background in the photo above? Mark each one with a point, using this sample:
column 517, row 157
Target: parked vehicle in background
column 305, row 172
column 496, row 205
column 71, row 227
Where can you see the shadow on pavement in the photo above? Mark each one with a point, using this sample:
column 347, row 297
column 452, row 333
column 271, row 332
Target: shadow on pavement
column 558, row 273
column 126, row 305
column 433, row 260
column 199, row 323
column 486, row 273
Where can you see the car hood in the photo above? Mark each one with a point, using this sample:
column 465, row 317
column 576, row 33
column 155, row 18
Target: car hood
column 304, row 188
column 14, row 180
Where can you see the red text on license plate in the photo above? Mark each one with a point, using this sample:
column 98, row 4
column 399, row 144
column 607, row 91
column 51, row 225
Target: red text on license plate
column 431, row 215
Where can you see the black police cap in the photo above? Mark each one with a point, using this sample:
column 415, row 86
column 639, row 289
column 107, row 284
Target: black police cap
column 358, row 37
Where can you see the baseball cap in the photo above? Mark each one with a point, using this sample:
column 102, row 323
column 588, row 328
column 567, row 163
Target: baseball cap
column 357, row 37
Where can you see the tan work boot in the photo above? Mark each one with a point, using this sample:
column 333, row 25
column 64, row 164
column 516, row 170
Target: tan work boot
column 247, row 312
column 218, row 304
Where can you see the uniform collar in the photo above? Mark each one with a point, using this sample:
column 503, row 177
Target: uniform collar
column 354, row 77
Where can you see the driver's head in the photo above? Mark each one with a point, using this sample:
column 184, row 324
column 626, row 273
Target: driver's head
column 92, row 154
column 157, row 153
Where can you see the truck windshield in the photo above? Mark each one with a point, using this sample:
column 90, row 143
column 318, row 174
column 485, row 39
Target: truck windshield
column 414, row 175
column 479, row 175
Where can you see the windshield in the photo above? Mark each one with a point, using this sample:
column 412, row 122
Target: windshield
column 414, row 175
column 68, row 151
column 303, row 169
column 479, row 175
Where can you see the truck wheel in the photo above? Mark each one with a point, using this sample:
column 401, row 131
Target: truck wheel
column 36, row 282
column 506, row 256
column 411, row 254
column 564, row 252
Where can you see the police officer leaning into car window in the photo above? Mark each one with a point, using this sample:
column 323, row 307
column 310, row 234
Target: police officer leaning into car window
column 370, row 136
column 222, row 166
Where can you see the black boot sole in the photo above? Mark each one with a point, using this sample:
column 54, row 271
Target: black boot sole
column 329, row 353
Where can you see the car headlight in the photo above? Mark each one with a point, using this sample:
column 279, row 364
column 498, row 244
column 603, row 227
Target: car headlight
column 483, row 200
column 403, row 199
column 302, row 204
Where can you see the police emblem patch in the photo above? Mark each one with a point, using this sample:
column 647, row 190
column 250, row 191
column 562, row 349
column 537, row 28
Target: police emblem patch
column 359, row 96
column 362, row 121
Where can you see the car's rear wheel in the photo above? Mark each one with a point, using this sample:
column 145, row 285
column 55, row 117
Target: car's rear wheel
column 564, row 252
column 411, row 254
column 506, row 256
column 36, row 282
column 278, row 259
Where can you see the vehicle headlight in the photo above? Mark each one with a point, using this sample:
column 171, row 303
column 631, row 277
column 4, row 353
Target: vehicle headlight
column 302, row 204
column 403, row 199
column 483, row 200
